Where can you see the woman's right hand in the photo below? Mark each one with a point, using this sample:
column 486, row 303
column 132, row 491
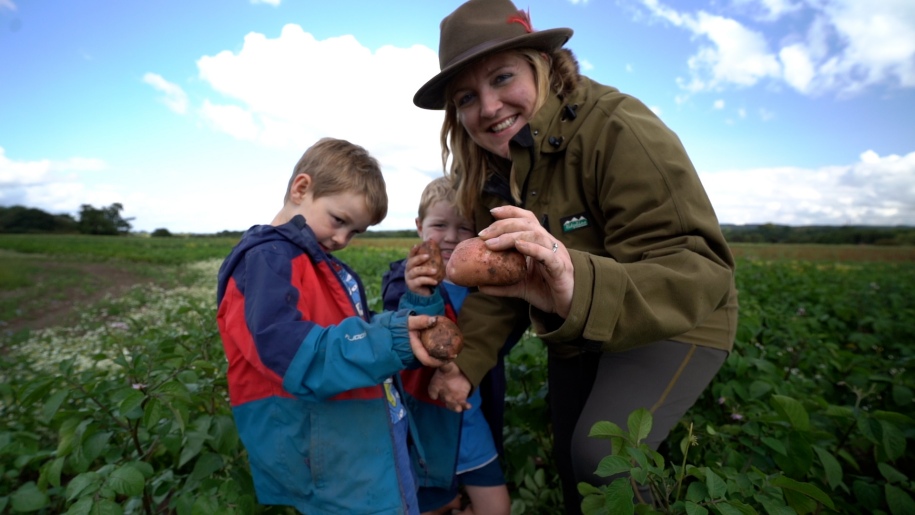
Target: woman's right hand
column 550, row 279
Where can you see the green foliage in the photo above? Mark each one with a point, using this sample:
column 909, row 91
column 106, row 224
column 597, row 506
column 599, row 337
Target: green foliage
column 107, row 220
column 811, row 412
column 19, row 219
column 161, row 233
column 123, row 414
column 126, row 410
column 160, row 251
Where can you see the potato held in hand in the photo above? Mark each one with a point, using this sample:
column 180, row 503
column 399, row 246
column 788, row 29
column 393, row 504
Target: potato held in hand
column 443, row 340
column 472, row 264
column 431, row 248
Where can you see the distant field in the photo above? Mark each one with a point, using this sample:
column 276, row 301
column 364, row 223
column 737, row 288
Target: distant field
column 863, row 253
column 176, row 250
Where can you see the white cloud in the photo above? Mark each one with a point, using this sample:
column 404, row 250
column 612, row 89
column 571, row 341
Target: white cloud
column 53, row 186
column 7, row 4
column 288, row 91
column 718, row 104
column 174, row 97
column 873, row 191
column 274, row 3
column 585, row 65
column 840, row 47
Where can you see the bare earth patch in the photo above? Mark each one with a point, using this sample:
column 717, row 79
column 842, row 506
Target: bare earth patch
column 100, row 279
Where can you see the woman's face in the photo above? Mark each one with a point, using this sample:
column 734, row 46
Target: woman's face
column 495, row 98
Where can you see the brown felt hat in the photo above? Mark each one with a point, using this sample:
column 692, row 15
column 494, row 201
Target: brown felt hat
column 478, row 28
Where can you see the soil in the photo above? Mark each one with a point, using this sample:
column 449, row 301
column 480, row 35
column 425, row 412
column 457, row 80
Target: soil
column 101, row 279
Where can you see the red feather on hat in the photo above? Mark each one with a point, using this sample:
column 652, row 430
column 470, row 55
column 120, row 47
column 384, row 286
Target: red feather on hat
column 524, row 18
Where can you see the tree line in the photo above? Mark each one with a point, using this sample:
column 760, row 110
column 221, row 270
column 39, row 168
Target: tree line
column 109, row 221
column 91, row 220
column 824, row 234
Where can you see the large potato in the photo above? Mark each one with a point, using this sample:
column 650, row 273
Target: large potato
column 472, row 264
column 435, row 258
column 443, row 340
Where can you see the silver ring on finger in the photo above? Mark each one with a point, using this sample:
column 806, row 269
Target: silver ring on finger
column 555, row 247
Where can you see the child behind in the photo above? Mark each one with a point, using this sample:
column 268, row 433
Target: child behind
column 409, row 284
column 312, row 372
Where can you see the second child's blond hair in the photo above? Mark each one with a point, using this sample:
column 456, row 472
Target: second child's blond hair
column 439, row 190
column 337, row 166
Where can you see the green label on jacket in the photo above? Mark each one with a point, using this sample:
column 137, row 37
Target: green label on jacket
column 570, row 223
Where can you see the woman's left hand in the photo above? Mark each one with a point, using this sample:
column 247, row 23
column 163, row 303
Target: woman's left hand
column 550, row 276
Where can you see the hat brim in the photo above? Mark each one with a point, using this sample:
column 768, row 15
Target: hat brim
column 432, row 94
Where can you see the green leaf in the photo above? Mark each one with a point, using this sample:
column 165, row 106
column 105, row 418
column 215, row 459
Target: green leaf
column 801, row 504
column 776, row 506
column 50, row 407
column 893, row 440
column 902, row 395
column 81, row 507
column 867, row 494
column 899, row 501
column 82, row 485
column 611, row 465
column 606, row 430
column 697, row 492
column 591, row 504
column 758, row 389
column 694, row 509
column 716, row 486
column 786, row 483
column 28, row 497
column 831, row 467
column 891, row 474
column 775, row 444
column 106, row 507
column 192, row 447
column 205, row 466
column 152, row 414
column 639, row 424
column 51, row 473
column 587, row 489
column 792, row 411
column 132, row 400
column 638, row 455
column 869, row 428
column 93, row 446
column 127, row 480
column 619, row 497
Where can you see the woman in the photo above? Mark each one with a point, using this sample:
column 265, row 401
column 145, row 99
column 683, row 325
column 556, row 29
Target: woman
column 630, row 282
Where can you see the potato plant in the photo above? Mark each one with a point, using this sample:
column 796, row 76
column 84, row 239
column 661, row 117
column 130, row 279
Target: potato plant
column 126, row 410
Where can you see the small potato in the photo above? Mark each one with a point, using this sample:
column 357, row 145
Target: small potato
column 435, row 257
column 443, row 340
column 472, row 264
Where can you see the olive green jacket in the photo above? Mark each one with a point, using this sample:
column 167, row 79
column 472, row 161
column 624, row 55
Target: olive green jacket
column 610, row 181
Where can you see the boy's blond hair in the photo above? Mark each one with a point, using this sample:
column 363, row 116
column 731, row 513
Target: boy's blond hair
column 337, row 166
column 439, row 190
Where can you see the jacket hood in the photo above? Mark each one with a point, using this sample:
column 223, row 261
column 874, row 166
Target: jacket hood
column 295, row 231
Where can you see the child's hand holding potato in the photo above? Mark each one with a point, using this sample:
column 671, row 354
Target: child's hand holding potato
column 425, row 268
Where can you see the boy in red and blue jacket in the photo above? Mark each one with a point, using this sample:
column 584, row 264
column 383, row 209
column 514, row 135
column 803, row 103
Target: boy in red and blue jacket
column 313, row 373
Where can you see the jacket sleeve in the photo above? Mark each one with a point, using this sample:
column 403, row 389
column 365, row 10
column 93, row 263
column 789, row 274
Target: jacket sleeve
column 667, row 266
column 316, row 362
column 393, row 285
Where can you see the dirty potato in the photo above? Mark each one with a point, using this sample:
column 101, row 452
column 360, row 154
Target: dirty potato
column 472, row 264
column 443, row 340
column 431, row 248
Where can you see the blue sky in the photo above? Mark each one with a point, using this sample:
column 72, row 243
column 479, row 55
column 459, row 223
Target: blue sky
column 192, row 114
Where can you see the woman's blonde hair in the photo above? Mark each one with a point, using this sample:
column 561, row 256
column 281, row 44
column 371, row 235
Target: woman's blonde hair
column 555, row 73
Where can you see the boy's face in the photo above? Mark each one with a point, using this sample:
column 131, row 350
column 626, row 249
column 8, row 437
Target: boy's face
column 335, row 219
column 445, row 226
